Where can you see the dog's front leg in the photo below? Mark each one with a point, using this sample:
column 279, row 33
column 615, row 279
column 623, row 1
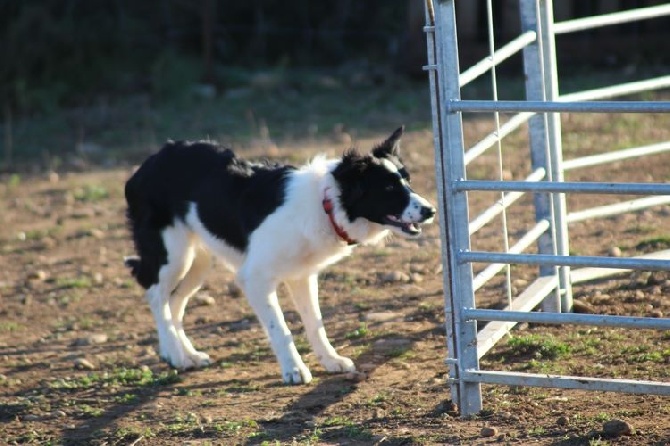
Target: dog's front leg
column 262, row 296
column 305, row 293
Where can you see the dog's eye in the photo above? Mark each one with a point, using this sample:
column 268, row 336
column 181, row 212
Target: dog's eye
column 389, row 187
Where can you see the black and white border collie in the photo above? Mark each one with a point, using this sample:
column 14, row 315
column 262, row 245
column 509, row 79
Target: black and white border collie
column 269, row 223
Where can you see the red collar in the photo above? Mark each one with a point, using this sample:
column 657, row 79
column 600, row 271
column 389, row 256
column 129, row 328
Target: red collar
column 328, row 209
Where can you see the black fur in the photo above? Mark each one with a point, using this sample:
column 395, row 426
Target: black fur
column 368, row 189
column 184, row 172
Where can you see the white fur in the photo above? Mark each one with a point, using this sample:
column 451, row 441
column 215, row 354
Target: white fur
column 291, row 245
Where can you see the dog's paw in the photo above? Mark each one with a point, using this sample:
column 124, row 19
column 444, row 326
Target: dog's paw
column 183, row 361
column 198, row 360
column 299, row 374
column 338, row 363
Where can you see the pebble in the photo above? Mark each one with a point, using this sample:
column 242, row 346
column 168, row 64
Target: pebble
column 562, row 421
column 656, row 313
column 384, row 317
column 394, row 276
column 356, row 376
column 204, row 299
column 579, row 306
column 615, row 251
column 489, row 431
column 616, row 428
column 367, row 367
column 83, row 364
column 234, row 290
column 95, row 338
column 37, row 275
column 415, row 277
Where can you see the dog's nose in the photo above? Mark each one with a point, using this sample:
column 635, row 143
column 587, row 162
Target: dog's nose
column 427, row 212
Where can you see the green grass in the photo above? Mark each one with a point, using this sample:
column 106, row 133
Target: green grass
column 538, row 346
column 90, row 193
column 9, row 326
column 117, row 378
column 68, row 283
column 361, row 332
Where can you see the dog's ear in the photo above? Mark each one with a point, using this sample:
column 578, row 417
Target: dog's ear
column 390, row 147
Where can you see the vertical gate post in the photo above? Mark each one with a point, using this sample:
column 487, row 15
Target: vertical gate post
column 459, row 293
column 545, row 143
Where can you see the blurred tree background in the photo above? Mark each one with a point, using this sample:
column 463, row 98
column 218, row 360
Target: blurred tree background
column 60, row 52
column 105, row 79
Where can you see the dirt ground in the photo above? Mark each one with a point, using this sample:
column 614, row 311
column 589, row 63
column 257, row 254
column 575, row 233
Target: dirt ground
column 78, row 364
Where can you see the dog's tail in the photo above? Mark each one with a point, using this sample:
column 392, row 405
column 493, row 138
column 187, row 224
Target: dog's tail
column 133, row 263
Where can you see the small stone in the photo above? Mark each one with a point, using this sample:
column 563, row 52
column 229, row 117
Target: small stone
column 615, row 251
column 234, row 290
column 656, row 313
column 38, row 275
column 415, row 277
column 31, row 417
column 97, row 278
column 367, row 367
column 489, row 431
column 97, row 234
column 394, row 276
column 639, row 294
column 59, row 414
column 562, row 421
column 392, row 343
column 616, row 428
column 204, row 299
column 579, row 306
column 95, row 338
column 384, row 317
column 83, row 364
column 356, row 376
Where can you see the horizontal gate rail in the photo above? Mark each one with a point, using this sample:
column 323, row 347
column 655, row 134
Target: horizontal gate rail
column 587, row 95
column 502, row 54
column 600, row 320
column 603, row 158
column 617, row 208
column 615, row 18
column 637, row 263
column 530, row 298
column 565, row 186
column 524, row 242
column 477, row 106
column 567, row 382
column 510, row 198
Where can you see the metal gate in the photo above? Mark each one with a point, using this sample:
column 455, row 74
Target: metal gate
column 557, row 269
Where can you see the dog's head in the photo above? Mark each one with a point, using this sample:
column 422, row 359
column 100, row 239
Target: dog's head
column 376, row 187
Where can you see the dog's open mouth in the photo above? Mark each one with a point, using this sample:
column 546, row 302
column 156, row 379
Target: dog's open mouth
column 408, row 228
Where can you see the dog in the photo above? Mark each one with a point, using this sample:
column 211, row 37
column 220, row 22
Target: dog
column 269, row 223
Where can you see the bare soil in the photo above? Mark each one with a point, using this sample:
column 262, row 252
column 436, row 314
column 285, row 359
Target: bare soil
column 77, row 343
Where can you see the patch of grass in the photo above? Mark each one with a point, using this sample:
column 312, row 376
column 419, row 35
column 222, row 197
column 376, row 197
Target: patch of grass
column 233, row 426
column 361, row 332
column 91, row 193
column 653, row 244
column 68, row 283
column 9, row 326
column 537, row 346
column 349, row 427
column 90, row 411
column 118, row 378
column 643, row 353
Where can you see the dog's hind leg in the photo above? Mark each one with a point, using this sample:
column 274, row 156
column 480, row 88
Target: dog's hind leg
column 180, row 253
column 261, row 292
column 305, row 294
column 188, row 286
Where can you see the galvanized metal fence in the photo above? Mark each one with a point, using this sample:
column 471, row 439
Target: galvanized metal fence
column 552, row 289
